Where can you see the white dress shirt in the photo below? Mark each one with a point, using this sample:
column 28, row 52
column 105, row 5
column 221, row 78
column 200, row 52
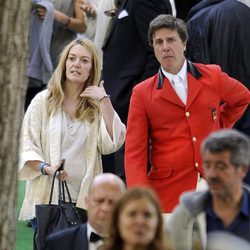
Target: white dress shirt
column 92, row 245
column 179, row 82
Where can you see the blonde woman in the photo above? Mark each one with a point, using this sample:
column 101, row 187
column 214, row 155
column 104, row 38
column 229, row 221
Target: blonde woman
column 74, row 120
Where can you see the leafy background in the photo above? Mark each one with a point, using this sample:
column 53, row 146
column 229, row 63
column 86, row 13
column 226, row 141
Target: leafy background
column 24, row 235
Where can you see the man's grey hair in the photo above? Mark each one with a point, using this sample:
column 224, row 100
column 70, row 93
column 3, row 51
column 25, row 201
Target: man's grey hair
column 229, row 140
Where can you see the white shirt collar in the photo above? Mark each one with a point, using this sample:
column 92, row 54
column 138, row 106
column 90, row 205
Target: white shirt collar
column 182, row 73
column 92, row 245
column 90, row 229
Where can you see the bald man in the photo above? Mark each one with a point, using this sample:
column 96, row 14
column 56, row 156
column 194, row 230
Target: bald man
column 104, row 193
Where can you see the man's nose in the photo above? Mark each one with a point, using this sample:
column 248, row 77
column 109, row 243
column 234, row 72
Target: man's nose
column 106, row 206
column 211, row 172
column 166, row 45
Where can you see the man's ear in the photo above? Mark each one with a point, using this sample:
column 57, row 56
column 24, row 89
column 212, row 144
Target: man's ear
column 244, row 170
column 87, row 201
column 185, row 46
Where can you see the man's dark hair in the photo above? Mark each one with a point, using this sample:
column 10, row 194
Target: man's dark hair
column 229, row 140
column 169, row 22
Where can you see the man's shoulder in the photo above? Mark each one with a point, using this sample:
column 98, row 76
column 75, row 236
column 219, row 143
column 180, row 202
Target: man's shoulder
column 72, row 231
column 207, row 69
column 147, row 83
column 194, row 201
column 69, row 239
column 207, row 66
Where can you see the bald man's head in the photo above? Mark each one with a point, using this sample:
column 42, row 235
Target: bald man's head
column 104, row 193
column 107, row 178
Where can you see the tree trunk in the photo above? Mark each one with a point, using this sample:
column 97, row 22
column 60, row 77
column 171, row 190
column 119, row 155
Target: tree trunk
column 14, row 18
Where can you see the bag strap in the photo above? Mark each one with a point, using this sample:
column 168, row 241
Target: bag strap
column 52, row 188
column 62, row 185
column 60, row 199
column 67, row 189
column 63, row 192
column 60, row 188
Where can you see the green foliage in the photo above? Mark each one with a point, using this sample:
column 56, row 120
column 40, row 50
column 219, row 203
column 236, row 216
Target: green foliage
column 24, row 236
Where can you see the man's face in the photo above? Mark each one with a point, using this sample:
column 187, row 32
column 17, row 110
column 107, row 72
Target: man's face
column 169, row 49
column 100, row 204
column 224, row 179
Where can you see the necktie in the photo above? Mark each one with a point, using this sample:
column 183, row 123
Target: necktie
column 95, row 237
column 179, row 89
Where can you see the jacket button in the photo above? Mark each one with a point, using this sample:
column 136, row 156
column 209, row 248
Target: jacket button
column 194, row 138
column 187, row 114
column 196, row 164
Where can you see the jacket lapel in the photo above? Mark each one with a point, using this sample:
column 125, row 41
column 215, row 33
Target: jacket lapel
column 168, row 93
column 82, row 239
column 194, row 87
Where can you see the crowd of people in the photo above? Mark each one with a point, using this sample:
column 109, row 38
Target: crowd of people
column 133, row 97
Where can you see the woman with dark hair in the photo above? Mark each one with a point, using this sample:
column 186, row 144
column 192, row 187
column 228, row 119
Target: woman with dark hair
column 137, row 223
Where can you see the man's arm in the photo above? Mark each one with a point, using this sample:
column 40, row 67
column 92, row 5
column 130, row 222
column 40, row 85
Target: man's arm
column 136, row 144
column 236, row 98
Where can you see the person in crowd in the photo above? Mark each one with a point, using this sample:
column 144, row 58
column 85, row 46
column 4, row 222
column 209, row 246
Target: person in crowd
column 219, row 33
column 73, row 120
column 128, row 59
column 98, row 16
column 221, row 240
column 137, row 222
column 53, row 24
column 104, row 192
column 89, row 10
column 173, row 111
column 226, row 205
column 183, row 8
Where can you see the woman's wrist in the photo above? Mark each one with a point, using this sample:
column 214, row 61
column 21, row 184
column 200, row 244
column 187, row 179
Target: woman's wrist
column 68, row 22
column 42, row 167
column 62, row 18
column 105, row 96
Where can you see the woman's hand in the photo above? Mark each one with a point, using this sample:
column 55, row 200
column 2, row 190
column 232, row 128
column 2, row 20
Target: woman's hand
column 95, row 92
column 50, row 170
column 99, row 94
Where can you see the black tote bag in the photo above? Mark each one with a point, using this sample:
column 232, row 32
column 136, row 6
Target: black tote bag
column 52, row 218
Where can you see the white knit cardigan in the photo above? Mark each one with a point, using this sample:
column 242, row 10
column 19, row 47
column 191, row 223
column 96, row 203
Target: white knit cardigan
column 41, row 141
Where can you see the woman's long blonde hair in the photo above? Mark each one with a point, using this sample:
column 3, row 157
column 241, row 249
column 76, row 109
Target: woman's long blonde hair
column 87, row 108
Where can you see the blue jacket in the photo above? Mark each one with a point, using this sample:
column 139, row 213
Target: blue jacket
column 74, row 238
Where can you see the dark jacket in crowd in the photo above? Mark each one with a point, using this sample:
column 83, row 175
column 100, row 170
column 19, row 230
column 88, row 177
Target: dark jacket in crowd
column 219, row 33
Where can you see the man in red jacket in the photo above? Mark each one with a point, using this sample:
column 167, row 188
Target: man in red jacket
column 173, row 111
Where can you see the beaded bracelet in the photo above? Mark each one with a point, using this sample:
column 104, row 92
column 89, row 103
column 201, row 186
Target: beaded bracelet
column 41, row 166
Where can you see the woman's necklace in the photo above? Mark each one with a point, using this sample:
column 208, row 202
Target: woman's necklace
column 70, row 124
column 69, row 110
